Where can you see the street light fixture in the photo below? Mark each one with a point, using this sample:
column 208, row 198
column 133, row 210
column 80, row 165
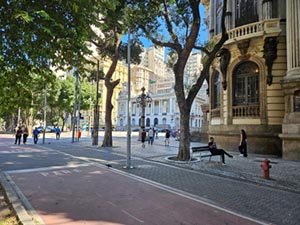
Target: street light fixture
column 143, row 100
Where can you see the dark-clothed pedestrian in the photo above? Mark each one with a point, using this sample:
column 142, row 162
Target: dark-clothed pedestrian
column 92, row 132
column 35, row 134
column 18, row 135
column 143, row 137
column 243, row 144
column 215, row 151
column 167, row 137
column 25, row 135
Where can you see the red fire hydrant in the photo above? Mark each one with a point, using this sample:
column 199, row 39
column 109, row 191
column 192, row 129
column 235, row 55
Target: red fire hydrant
column 265, row 165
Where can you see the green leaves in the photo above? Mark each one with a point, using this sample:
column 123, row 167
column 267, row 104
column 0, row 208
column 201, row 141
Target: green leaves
column 23, row 15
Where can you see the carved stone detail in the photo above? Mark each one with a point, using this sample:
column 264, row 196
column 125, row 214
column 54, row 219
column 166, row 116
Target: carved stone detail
column 270, row 54
column 225, row 56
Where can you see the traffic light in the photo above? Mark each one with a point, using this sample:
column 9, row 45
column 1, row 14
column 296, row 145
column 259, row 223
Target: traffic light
column 80, row 116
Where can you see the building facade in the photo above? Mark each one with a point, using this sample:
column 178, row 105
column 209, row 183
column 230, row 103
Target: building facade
column 162, row 112
column 254, row 81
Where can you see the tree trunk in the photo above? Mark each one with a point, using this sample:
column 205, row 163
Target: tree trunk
column 185, row 108
column 184, row 144
column 107, row 140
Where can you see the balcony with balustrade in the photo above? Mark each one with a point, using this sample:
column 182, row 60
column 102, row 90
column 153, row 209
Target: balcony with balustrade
column 270, row 27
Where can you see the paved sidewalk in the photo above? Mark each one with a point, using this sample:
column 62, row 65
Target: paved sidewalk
column 284, row 174
column 238, row 186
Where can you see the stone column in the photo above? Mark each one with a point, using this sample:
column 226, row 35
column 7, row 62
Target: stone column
column 291, row 84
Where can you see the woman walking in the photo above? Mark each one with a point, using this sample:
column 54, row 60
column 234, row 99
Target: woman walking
column 243, row 144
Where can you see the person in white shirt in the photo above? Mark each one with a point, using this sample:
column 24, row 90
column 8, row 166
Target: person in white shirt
column 150, row 136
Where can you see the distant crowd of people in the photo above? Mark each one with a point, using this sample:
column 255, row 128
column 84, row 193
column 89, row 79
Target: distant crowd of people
column 22, row 131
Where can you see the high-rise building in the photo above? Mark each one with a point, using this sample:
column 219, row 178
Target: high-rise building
column 153, row 59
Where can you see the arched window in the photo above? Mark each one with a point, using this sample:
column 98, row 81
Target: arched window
column 246, row 84
column 147, row 122
column 164, row 121
column 246, row 12
column 216, row 90
column 155, row 121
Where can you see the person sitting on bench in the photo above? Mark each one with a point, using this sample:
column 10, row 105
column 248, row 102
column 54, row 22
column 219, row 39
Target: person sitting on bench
column 215, row 151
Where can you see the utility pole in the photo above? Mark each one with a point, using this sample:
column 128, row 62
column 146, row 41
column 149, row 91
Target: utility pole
column 96, row 110
column 74, row 108
column 45, row 114
column 78, row 110
column 128, row 161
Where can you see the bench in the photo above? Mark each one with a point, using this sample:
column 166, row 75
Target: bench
column 200, row 150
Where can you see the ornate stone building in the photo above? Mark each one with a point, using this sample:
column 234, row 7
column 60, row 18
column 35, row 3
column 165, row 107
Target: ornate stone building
column 255, row 81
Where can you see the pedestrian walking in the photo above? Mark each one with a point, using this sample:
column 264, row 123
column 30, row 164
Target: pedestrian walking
column 57, row 132
column 25, row 135
column 18, row 135
column 243, row 143
column 167, row 137
column 215, row 151
column 150, row 136
column 156, row 133
column 79, row 133
column 143, row 137
column 35, row 133
column 92, row 132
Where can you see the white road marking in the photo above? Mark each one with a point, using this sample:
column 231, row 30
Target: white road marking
column 132, row 216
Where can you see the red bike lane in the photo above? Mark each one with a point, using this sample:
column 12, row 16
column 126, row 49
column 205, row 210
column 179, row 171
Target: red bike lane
column 99, row 195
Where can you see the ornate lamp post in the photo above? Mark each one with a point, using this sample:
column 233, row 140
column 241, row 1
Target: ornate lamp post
column 143, row 99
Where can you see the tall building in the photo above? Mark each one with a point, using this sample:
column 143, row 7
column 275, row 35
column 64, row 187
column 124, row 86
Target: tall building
column 193, row 68
column 255, row 83
column 153, row 58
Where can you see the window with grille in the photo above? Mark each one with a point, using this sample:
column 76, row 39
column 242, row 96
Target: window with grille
column 216, row 89
column 246, row 84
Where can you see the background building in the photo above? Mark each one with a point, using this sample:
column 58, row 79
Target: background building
column 163, row 111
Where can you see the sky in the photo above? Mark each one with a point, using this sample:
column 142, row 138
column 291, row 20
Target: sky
column 203, row 31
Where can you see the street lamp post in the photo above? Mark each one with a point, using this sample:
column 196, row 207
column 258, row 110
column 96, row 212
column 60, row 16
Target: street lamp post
column 128, row 158
column 75, row 106
column 96, row 110
column 143, row 99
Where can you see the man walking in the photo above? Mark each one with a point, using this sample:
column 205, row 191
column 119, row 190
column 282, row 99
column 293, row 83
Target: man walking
column 35, row 133
column 57, row 131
